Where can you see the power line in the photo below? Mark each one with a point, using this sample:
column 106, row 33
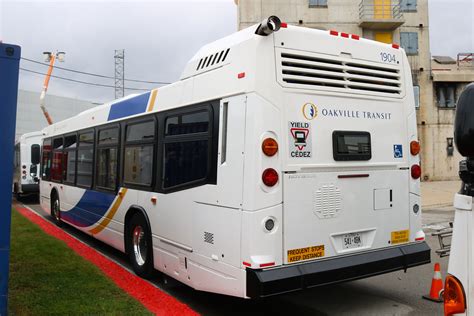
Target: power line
column 93, row 74
column 79, row 81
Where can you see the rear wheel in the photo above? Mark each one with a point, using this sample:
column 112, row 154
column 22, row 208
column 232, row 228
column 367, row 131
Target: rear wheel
column 140, row 249
column 56, row 210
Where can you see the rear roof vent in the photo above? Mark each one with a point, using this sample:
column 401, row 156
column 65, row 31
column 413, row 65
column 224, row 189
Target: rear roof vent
column 212, row 60
column 308, row 70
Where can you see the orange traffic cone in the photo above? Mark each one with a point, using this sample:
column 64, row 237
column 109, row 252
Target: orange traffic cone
column 436, row 286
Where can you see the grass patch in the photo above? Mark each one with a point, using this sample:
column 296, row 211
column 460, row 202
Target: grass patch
column 47, row 277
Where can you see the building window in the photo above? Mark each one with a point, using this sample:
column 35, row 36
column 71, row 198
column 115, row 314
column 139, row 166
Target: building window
column 408, row 5
column 85, row 159
column 107, row 149
column 139, row 152
column 318, row 3
column 446, row 95
column 409, row 41
column 186, row 149
column 416, row 92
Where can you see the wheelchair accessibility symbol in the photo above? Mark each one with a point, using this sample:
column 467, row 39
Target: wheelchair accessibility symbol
column 397, row 151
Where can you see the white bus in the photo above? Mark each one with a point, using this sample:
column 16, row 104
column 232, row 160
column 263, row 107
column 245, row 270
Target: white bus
column 27, row 164
column 284, row 158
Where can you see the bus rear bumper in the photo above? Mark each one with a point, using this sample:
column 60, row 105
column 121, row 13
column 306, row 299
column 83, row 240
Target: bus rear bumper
column 263, row 283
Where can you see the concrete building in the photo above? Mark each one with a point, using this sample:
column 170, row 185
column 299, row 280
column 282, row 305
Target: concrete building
column 29, row 117
column 391, row 21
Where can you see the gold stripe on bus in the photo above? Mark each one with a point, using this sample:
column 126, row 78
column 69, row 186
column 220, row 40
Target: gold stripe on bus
column 151, row 105
column 110, row 214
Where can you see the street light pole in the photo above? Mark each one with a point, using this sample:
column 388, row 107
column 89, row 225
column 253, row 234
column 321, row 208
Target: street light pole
column 51, row 58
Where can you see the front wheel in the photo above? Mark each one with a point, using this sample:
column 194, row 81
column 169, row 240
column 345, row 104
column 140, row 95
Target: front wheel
column 140, row 246
column 56, row 210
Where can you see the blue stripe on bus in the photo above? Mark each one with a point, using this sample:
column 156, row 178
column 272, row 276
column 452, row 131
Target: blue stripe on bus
column 90, row 209
column 129, row 107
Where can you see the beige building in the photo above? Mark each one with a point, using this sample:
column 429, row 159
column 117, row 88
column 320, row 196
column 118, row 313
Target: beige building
column 392, row 21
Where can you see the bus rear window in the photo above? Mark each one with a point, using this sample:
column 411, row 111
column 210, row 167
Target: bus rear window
column 351, row 145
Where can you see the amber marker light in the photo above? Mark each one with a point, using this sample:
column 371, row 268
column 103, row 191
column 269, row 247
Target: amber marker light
column 414, row 147
column 269, row 147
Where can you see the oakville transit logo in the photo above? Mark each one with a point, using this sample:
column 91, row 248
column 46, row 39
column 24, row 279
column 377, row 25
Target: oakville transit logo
column 310, row 112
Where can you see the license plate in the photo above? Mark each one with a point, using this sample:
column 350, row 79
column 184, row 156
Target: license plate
column 352, row 240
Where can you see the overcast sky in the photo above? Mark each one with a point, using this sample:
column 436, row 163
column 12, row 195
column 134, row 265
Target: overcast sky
column 158, row 36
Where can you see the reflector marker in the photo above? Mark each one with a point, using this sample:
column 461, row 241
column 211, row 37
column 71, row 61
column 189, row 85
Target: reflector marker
column 335, row 33
column 396, row 46
column 355, row 36
column 246, row 264
column 263, row 265
column 344, row 35
column 284, row 25
column 241, row 75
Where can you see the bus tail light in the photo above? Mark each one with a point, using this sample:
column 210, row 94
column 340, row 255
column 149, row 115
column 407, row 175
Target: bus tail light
column 270, row 177
column 415, row 172
column 269, row 147
column 414, row 147
column 454, row 297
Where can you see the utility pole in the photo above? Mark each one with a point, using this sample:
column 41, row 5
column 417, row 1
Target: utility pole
column 119, row 73
column 51, row 58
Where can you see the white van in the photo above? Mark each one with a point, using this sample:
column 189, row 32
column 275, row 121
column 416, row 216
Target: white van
column 27, row 164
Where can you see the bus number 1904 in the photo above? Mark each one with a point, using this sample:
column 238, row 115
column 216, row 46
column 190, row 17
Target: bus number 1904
column 388, row 58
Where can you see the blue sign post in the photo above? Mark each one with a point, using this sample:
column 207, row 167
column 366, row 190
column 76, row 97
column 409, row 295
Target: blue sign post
column 9, row 67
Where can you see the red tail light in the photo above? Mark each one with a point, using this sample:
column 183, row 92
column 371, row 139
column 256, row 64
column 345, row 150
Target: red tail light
column 270, row 177
column 415, row 172
column 454, row 297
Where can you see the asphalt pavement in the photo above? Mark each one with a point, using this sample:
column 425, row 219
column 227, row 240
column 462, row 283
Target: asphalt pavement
column 396, row 293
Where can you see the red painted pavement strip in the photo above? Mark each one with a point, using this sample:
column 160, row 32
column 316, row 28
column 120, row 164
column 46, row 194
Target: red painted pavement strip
column 152, row 298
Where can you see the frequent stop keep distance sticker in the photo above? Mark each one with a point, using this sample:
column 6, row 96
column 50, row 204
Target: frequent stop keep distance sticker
column 300, row 139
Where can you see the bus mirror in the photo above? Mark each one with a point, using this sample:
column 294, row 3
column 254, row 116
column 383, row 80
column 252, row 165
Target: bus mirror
column 35, row 154
column 268, row 26
column 464, row 122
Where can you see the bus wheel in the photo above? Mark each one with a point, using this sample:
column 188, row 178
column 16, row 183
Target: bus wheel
column 140, row 246
column 55, row 210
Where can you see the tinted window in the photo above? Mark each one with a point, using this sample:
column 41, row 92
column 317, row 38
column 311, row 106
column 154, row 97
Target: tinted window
column 184, row 162
column 70, row 141
column 107, row 167
column 46, row 160
column 86, row 139
column 70, row 166
column 141, row 132
column 188, row 123
column 84, row 166
column 349, row 145
column 58, row 143
column 138, row 164
column 35, row 154
column 108, row 136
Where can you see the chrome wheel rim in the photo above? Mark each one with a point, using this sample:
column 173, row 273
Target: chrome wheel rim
column 56, row 210
column 139, row 245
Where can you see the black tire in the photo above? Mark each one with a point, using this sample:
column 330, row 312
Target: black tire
column 55, row 209
column 140, row 248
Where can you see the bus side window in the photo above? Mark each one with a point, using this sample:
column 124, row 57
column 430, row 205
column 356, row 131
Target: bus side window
column 57, row 163
column 107, row 158
column 46, row 160
column 186, row 149
column 69, row 167
column 85, row 159
column 138, row 154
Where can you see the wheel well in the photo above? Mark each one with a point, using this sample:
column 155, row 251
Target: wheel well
column 130, row 213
